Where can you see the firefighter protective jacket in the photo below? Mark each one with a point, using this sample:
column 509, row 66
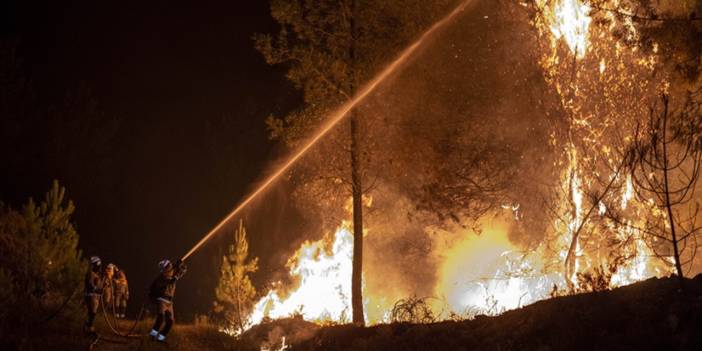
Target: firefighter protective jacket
column 94, row 283
column 163, row 287
column 121, row 287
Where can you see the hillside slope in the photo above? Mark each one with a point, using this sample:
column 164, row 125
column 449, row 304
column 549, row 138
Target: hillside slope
column 650, row 315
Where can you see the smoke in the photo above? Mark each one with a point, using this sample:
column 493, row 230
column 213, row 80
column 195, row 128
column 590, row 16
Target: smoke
column 471, row 107
column 470, row 115
column 398, row 252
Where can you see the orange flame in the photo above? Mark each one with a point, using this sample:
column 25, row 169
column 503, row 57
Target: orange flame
column 569, row 20
column 486, row 273
column 323, row 269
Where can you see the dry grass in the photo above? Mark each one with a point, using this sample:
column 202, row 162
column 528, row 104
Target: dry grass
column 61, row 336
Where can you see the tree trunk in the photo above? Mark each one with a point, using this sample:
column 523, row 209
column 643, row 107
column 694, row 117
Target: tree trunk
column 569, row 270
column 357, row 191
column 356, row 184
column 570, row 257
column 668, row 205
column 676, row 253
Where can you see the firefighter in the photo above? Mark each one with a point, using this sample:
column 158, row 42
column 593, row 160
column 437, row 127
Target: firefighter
column 121, row 293
column 108, row 289
column 94, row 283
column 161, row 294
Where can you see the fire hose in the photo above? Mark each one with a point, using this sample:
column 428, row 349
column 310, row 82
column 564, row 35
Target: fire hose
column 115, row 327
column 337, row 116
column 63, row 305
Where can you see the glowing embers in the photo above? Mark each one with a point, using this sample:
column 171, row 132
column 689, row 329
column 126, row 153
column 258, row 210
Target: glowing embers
column 570, row 20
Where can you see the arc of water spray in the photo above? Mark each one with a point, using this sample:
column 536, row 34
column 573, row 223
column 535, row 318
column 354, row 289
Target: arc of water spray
column 335, row 118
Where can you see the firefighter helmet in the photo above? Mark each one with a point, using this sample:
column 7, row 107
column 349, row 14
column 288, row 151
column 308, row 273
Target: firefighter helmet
column 164, row 265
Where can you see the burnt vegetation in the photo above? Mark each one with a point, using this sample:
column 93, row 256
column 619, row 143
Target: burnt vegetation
column 412, row 310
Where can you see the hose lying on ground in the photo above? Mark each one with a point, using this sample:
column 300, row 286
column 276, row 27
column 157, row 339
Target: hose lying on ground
column 114, row 327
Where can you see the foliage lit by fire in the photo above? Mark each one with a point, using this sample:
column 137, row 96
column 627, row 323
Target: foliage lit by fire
column 491, row 226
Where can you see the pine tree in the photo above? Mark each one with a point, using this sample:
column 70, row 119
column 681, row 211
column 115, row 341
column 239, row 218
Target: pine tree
column 41, row 265
column 235, row 293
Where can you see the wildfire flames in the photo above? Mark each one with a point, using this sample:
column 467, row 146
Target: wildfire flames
column 570, row 21
column 323, row 270
column 487, row 274
column 596, row 79
column 480, row 274
column 604, row 90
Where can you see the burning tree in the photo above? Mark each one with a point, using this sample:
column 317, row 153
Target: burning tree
column 465, row 161
column 607, row 62
column 332, row 48
column 671, row 28
column 235, row 293
column 665, row 168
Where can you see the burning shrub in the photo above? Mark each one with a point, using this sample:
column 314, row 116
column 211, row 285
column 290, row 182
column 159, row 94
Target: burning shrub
column 492, row 306
column 469, row 313
column 599, row 278
column 412, row 310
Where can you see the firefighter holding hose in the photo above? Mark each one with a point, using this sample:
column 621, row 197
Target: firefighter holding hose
column 94, row 284
column 161, row 294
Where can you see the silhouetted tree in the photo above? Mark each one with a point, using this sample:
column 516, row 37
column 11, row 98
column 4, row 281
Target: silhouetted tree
column 665, row 168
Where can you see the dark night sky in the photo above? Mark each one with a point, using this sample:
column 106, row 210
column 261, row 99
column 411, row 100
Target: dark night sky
column 190, row 95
